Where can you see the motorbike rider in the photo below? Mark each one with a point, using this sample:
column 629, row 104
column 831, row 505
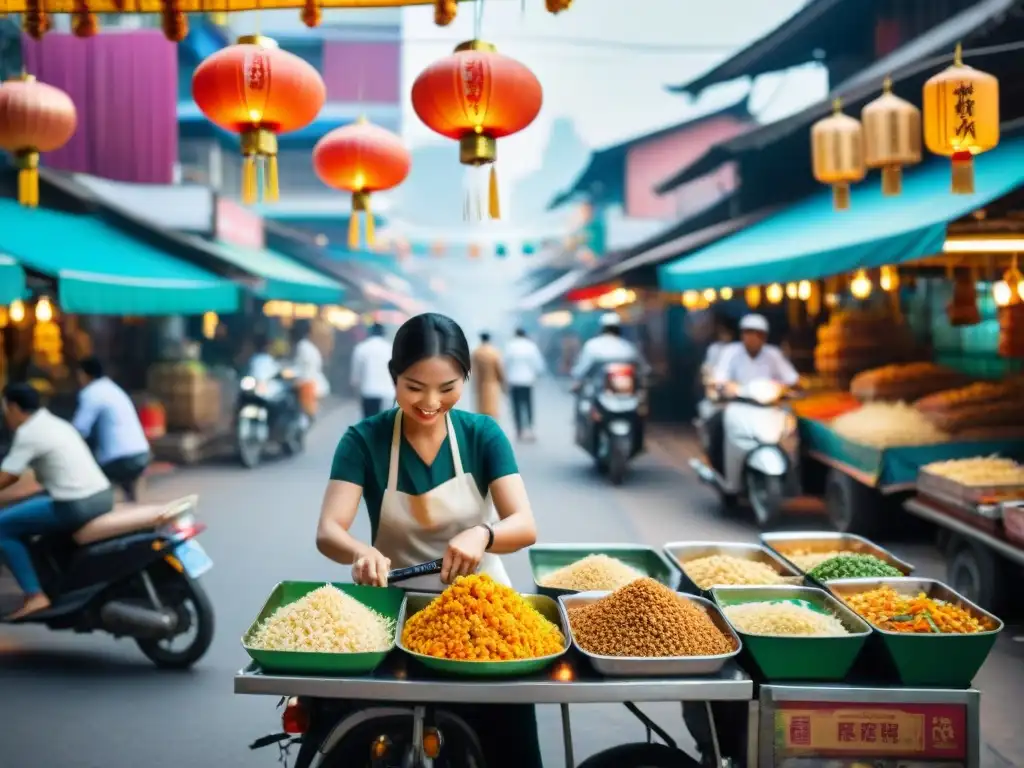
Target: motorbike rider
column 105, row 409
column 76, row 490
column 607, row 347
column 749, row 359
column 437, row 483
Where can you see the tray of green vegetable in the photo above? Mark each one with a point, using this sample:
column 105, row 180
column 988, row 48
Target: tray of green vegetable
column 819, row 641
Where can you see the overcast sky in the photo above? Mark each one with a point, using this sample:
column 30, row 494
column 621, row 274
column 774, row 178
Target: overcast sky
column 615, row 90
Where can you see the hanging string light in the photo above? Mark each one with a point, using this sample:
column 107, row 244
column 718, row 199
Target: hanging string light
column 774, row 293
column 860, row 286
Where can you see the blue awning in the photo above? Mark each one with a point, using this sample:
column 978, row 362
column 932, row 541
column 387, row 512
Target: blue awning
column 810, row 240
column 281, row 278
column 101, row 270
column 12, row 280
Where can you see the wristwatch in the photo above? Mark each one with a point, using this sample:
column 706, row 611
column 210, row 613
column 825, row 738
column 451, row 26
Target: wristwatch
column 490, row 536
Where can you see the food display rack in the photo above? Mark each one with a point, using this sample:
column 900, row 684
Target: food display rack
column 822, row 726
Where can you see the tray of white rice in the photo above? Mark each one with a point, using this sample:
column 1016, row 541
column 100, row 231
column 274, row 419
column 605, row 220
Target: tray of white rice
column 565, row 569
column 793, row 633
column 309, row 627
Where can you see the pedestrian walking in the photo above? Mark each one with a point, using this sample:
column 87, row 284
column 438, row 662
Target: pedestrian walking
column 523, row 364
column 371, row 377
column 488, row 377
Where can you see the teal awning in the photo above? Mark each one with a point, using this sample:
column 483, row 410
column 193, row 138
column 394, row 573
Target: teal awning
column 102, row 271
column 281, row 278
column 12, row 280
column 811, row 240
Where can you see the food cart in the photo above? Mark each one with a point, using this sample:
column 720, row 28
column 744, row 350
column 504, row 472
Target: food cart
column 878, row 697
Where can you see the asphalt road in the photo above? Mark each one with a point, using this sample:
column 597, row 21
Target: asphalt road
column 91, row 702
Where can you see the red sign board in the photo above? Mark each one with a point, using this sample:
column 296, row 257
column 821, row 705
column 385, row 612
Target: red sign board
column 235, row 225
column 825, row 729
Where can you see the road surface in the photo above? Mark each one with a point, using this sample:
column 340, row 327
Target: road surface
column 92, row 702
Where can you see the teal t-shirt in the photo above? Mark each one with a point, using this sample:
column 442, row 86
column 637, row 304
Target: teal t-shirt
column 364, row 453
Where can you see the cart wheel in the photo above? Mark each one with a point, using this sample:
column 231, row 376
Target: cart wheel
column 852, row 507
column 976, row 573
column 643, row 755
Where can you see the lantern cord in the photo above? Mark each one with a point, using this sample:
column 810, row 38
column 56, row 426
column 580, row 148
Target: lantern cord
column 493, row 198
column 28, row 187
column 353, row 231
column 271, row 187
column 249, row 179
column 368, row 223
column 478, row 18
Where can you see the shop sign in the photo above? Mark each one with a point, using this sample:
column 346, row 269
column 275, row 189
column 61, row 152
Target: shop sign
column 235, row 225
column 826, row 729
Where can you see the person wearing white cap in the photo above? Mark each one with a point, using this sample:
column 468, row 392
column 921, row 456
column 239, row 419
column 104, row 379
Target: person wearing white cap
column 752, row 358
column 607, row 347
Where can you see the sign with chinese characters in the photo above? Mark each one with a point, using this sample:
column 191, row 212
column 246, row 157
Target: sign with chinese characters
column 965, row 111
column 871, row 730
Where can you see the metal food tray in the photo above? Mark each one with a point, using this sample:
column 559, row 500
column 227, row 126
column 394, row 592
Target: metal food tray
column 681, row 552
column 933, row 659
column 969, row 495
column 782, row 544
column 799, row 657
column 665, row 666
column 991, row 511
column 547, row 607
column 545, row 558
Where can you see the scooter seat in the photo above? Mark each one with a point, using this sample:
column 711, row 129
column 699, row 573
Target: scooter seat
column 128, row 518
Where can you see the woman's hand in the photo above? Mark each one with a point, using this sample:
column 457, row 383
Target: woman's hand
column 464, row 553
column 371, row 569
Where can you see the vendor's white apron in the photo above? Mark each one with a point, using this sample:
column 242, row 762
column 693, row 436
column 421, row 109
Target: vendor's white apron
column 416, row 529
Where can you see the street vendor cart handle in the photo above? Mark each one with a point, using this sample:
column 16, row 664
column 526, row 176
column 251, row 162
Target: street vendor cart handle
column 423, row 569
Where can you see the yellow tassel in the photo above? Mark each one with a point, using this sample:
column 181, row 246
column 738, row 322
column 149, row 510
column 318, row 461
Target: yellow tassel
column 270, row 183
column 353, row 231
column 494, row 203
column 28, row 187
column 369, row 224
column 249, row 180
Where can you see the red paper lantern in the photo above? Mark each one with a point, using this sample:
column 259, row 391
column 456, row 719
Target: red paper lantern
column 34, row 117
column 258, row 91
column 361, row 158
column 476, row 96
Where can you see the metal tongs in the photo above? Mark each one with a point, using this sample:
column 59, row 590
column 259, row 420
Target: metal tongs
column 423, row 569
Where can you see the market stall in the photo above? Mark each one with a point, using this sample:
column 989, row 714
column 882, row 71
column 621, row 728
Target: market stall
column 788, row 650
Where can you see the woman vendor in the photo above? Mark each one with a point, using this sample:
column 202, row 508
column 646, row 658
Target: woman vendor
column 438, row 483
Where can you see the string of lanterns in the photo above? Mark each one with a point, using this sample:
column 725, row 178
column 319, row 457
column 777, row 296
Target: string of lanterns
column 959, row 120
column 174, row 22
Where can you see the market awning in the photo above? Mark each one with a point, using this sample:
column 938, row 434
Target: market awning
column 12, row 280
column 102, row 271
column 281, row 278
column 553, row 290
column 811, row 240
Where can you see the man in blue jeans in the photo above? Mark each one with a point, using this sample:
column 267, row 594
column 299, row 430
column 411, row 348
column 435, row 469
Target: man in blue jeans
column 76, row 490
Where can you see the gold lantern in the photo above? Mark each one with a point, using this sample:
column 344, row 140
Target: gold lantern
column 753, row 296
column 837, row 149
column 774, row 293
column 961, row 118
column 892, row 136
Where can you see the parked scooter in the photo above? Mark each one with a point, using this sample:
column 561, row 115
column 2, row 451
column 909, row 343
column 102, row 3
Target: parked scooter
column 269, row 411
column 609, row 417
column 133, row 572
column 760, row 451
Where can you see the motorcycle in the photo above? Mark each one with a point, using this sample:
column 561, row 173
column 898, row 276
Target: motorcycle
column 133, row 572
column 269, row 411
column 761, row 456
column 333, row 733
column 609, row 417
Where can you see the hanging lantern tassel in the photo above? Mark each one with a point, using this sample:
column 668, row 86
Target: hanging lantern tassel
column 28, row 178
column 361, row 205
column 494, row 197
column 963, row 173
column 259, row 152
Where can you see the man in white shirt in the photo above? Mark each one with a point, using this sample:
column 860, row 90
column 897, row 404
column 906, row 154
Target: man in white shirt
column 607, row 347
column 749, row 359
column 107, row 415
column 371, row 377
column 523, row 364
column 76, row 490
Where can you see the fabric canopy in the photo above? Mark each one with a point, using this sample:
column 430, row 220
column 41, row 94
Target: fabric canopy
column 281, row 278
column 811, row 240
column 12, row 280
column 101, row 270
